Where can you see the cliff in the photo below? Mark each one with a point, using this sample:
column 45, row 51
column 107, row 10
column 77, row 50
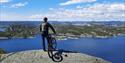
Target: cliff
column 39, row 56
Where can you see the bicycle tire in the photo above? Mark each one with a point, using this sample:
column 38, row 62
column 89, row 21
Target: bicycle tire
column 50, row 54
column 57, row 58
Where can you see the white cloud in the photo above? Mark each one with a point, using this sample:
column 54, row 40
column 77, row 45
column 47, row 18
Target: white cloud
column 4, row 1
column 36, row 16
column 20, row 4
column 96, row 12
column 13, row 16
column 76, row 1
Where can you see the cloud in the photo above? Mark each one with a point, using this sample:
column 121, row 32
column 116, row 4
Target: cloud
column 4, row 1
column 93, row 12
column 76, row 1
column 13, row 16
column 20, row 4
column 96, row 12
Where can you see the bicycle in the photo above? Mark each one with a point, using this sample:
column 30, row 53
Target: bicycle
column 52, row 44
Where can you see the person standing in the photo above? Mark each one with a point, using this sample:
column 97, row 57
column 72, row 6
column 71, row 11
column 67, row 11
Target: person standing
column 44, row 28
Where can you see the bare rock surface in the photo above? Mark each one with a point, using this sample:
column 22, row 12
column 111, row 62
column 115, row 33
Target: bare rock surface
column 39, row 56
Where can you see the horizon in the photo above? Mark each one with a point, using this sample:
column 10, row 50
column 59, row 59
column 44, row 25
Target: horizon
column 62, row 10
column 63, row 21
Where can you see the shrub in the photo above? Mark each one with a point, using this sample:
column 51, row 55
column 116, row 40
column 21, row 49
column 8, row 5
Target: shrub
column 1, row 52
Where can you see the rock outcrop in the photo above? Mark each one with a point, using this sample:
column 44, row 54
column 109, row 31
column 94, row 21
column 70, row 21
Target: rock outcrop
column 39, row 56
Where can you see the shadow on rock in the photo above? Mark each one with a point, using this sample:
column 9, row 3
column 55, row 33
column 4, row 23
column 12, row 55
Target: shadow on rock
column 58, row 55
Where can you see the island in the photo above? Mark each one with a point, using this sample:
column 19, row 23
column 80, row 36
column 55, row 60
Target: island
column 18, row 31
column 67, row 30
column 91, row 30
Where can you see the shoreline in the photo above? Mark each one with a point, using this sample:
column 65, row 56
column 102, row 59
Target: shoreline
column 5, row 38
column 88, row 36
column 65, row 37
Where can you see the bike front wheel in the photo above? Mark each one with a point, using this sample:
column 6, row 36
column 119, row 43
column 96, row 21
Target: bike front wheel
column 54, row 43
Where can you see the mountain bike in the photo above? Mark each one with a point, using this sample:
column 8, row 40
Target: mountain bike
column 52, row 44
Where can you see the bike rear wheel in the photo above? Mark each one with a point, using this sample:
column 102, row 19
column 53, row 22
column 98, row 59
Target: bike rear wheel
column 50, row 54
column 57, row 57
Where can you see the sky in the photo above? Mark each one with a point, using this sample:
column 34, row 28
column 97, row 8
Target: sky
column 62, row 10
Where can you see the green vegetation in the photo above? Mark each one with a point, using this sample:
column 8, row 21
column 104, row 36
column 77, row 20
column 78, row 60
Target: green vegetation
column 18, row 30
column 4, row 34
column 1, row 52
column 93, row 30
column 65, row 30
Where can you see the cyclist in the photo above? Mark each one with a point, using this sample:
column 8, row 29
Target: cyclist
column 44, row 28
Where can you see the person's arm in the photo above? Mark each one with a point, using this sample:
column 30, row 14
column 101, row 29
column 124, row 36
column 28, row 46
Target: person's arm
column 52, row 28
column 40, row 28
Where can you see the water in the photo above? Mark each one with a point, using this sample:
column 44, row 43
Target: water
column 111, row 49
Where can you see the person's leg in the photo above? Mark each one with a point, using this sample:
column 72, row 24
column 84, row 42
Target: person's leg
column 43, row 37
column 49, row 44
column 47, row 39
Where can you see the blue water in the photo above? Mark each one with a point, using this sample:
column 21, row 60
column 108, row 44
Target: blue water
column 111, row 49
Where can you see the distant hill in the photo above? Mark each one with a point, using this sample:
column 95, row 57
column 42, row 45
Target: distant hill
column 78, row 28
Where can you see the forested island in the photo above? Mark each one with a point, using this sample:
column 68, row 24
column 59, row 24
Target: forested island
column 18, row 30
column 66, row 30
